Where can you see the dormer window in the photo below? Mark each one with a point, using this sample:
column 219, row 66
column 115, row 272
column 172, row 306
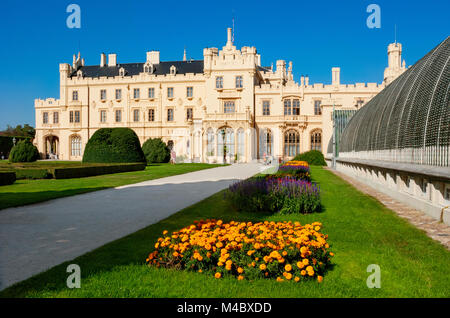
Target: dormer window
column 173, row 70
column 79, row 74
column 122, row 72
column 148, row 68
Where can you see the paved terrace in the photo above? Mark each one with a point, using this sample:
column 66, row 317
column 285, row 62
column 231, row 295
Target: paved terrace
column 37, row 237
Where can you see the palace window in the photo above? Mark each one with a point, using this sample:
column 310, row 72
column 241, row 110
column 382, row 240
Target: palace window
column 136, row 93
column 265, row 142
column 151, row 115
column 118, row 116
column 316, row 140
column 189, row 91
column 77, row 116
column 103, row 116
column 103, row 94
column 71, row 116
column 239, row 82
column 287, row 107
column 55, row 117
column 219, row 82
column 266, row 108
column 317, row 108
column 210, row 142
column 75, row 146
column 170, row 92
column 225, row 139
column 170, row 114
column 45, row 118
column 241, row 143
column 296, row 107
column 228, row 107
column 136, row 115
column 359, row 103
column 74, row 95
column 151, row 92
column 189, row 113
column 291, row 143
column 118, row 94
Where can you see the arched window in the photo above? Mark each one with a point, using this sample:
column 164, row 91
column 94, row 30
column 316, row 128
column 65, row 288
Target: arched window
column 210, row 142
column 292, row 107
column 241, row 143
column 265, row 142
column 316, row 140
column 225, row 138
column 291, row 143
column 148, row 68
column 75, row 146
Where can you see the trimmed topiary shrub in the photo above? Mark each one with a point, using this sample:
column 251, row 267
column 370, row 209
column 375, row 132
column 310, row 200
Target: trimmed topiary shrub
column 114, row 145
column 156, row 151
column 7, row 177
column 313, row 157
column 24, row 151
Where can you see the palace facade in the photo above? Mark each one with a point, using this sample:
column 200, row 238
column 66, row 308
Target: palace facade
column 227, row 101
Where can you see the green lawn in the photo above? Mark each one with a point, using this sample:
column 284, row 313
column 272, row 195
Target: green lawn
column 32, row 191
column 361, row 232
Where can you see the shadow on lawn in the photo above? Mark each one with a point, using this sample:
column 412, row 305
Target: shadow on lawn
column 18, row 199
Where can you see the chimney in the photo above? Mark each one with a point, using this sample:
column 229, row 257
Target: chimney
column 302, row 80
column 336, row 76
column 112, row 59
column 229, row 40
column 153, row 57
column 102, row 59
column 306, row 80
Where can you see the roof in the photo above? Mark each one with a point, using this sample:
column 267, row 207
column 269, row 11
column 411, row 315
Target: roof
column 131, row 69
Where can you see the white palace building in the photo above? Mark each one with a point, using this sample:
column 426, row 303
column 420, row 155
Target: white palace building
column 197, row 106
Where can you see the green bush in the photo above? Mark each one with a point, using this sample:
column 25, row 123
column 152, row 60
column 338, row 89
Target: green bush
column 6, row 144
column 114, row 145
column 313, row 158
column 24, row 151
column 82, row 172
column 33, row 174
column 7, row 177
column 156, row 151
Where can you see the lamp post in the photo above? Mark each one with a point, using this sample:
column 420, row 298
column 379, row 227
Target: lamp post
column 333, row 116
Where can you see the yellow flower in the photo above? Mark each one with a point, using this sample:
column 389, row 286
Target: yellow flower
column 319, row 279
column 164, row 232
column 262, row 267
column 288, row 276
column 305, row 261
column 279, row 279
column 296, row 278
column 218, row 275
column 288, row 267
column 300, row 264
column 240, row 270
column 303, row 272
column 240, row 277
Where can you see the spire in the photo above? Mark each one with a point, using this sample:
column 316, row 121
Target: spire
column 184, row 55
column 229, row 37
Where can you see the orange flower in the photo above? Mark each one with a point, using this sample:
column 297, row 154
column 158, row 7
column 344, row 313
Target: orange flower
column 319, row 279
column 288, row 267
column 218, row 275
column 262, row 267
column 240, row 277
column 240, row 270
column 296, row 278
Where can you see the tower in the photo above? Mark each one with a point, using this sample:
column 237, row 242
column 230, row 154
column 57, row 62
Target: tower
column 395, row 65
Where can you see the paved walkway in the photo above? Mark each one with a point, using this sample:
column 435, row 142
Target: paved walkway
column 37, row 237
column 432, row 227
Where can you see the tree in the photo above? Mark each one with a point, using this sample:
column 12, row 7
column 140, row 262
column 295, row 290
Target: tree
column 156, row 151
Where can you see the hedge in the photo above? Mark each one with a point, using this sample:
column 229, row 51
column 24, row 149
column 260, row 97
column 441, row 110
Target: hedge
column 114, row 145
column 82, row 172
column 33, row 174
column 313, row 157
column 7, row 177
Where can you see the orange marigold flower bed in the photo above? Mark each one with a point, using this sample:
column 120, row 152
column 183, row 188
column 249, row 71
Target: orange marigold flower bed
column 245, row 250
column 296, row 163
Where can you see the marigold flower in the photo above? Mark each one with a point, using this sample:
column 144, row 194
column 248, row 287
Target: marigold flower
column 262, row 267
column 240, row 270
column 218, row 275
column 240, row 277
column 303, row 272
column 296, row 278
column 319, row 279
column 305, row 261
column 288, row 267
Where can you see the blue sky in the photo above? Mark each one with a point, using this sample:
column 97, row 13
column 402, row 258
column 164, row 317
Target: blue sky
column 314, row 35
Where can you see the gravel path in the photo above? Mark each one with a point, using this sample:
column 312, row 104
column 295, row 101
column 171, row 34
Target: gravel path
column 37, row 237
